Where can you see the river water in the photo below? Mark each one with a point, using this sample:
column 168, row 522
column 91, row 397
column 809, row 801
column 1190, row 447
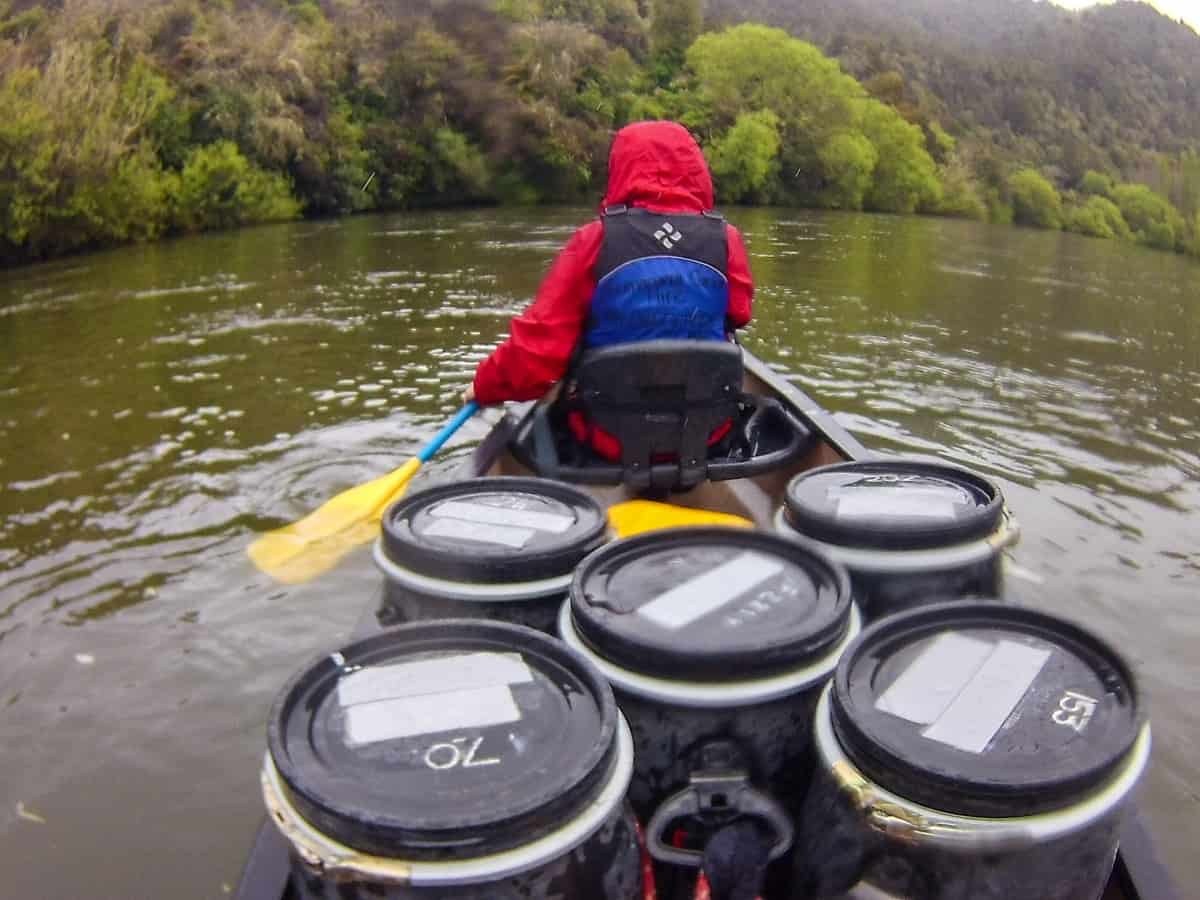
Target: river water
column 159, row 405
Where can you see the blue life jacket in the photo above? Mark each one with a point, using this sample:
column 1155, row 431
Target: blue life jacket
column 659, row 275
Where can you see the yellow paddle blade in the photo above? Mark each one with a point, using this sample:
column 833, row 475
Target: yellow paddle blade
column 304, row 549
column 635, row 516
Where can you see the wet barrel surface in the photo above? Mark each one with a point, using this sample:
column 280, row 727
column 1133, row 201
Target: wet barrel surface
column 712, row 635
column 472, row 756
column 495, row 548
column 910, row 531
column 971, row 750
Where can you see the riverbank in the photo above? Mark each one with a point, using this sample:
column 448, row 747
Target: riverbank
column 122, row 123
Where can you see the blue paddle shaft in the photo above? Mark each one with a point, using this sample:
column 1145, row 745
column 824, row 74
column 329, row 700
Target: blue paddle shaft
column 446, row 433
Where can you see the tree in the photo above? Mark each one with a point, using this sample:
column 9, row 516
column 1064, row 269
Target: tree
column 218, row 188
column 905, row 177
column 1096, row 183
column 745, row 158
column 839, row 147
column 753, row 67
column 1098, row 217
column 674, row 25
column 848, row 163
column 960, row 193
column 1034, row 200
column 1153, row 220
column 1192, row 244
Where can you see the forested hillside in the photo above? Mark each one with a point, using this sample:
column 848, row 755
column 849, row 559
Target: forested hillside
column 129, row 119
column 1071, row 91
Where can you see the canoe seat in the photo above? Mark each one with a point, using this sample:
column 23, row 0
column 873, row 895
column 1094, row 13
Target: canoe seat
column 672, row 414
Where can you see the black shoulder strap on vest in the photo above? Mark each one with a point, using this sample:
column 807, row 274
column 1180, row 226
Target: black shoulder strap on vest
column 632, row 233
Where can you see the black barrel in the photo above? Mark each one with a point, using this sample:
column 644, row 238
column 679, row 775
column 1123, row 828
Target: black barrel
column 716, row 642
column 909, row 531
column 972, row 751
column 495, row 548
column 458, row 759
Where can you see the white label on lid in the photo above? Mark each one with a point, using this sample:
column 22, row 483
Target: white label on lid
column 932, row 681
column 439, row 675
column 389, row 720
column 479, row 532
column 909, row 504
column 963, row 689
column 697, row 597
column 470, row 690
column 973, row 718
column 554, row 523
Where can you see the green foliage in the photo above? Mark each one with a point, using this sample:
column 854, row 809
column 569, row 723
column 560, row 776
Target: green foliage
column 1034, row 200
column 459, row 169
column 21, row 24
column 28, row 181
column 1152, row 219
column 752, row 67
column 1042, row 87
column 125, row 122
column 1098, row 217
column 1096, row 183
column 839, row 147
column 744, row 159
column 674, row 25
column 1192, row 242
column 218, row 188
column 76, row 167
column 848, row 161
column 960, row 194
column 305, row 12
column 905, row 176
column 940, row 144
column 1000, row 210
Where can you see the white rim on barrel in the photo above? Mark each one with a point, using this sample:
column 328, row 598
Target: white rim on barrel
column 902, row 561
column 905, row 820
column 718, row 695
column 336, row 861
column 466, row 590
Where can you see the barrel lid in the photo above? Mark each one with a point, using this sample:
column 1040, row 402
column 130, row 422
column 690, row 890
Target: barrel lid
column 712, row 604
column 984, row 709
column 494, row 530
column 893, row 504
column 444, row 740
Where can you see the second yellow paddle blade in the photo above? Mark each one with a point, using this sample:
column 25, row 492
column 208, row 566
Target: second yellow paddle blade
column 304, row 549
column 635, row 516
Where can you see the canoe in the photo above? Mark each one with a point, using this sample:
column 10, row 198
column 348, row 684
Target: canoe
column 1139, row 873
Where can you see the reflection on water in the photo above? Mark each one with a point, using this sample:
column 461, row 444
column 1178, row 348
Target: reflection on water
column 161, row 404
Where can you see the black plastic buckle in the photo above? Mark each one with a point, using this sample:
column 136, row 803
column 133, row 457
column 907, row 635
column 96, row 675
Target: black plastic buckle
column 716, row 796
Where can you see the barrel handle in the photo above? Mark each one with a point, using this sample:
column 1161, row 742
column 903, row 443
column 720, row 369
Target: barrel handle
column 728, row 796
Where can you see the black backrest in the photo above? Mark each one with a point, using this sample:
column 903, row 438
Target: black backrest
column 661, row 400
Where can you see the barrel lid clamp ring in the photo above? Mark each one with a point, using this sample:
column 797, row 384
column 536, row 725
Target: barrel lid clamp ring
column 910, row 827
column 320, row 856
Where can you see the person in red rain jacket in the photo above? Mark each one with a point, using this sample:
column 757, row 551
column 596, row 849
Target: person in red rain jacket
column 656, row 264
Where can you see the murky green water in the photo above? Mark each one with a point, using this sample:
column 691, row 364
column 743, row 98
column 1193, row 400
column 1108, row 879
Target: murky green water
column 158, row 405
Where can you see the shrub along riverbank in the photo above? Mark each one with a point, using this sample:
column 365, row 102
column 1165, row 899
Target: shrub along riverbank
column 123, row 122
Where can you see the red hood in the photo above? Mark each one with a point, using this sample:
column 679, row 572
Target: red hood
column 659, row 166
